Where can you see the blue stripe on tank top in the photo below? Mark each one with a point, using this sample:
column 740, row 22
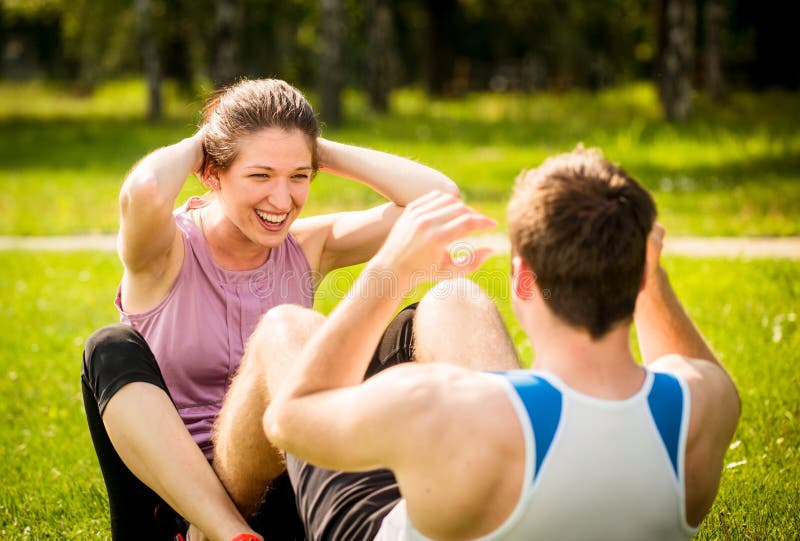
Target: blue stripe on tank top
column 543, row 404
column 666, row 406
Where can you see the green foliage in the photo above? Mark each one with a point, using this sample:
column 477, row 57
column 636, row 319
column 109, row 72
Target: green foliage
column 52, row 487
column 733, row 170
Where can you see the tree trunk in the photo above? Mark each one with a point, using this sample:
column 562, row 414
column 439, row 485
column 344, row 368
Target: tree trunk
column 151, row 59
column 715, row 29
column 676, row 57
column 440, row 34
column 331, row 66
column 228, row 19
column 380, row 54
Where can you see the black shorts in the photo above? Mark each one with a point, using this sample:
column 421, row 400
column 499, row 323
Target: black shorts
column 347, row 506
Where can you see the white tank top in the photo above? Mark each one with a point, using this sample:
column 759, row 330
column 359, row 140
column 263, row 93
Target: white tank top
column 594, row 469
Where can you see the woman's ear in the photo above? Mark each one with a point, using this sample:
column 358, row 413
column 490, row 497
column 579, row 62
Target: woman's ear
column 523, row 279
column 210, row 177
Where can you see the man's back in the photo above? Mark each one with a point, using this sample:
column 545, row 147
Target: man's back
column 616, row 464
column 594, row 468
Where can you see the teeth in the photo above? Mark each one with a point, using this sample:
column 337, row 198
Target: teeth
column 273, row 218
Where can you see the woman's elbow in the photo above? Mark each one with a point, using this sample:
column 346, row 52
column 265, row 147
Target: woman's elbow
column 141, row 191
column 448, row 186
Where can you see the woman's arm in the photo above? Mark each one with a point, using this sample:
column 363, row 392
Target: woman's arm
column 337, row 240
column 146, row 200
column 398, row 179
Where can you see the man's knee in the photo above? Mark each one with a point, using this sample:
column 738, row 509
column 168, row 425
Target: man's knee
column 454, row 296
column 286, row 321
column 282, row 330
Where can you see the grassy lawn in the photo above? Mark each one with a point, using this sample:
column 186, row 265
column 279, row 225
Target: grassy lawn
column 52, row 488
column 733, row 170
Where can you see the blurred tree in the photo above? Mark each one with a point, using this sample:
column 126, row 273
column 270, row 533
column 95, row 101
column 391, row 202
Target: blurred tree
column 225, row 66
column 676, row 57
column 773, row 63
column 150, row 58
column 447, row 46
column 331, row 68
column 180, row 31
column 715, row 16
column 440, row 33
column 380, row 53
column 101, row 35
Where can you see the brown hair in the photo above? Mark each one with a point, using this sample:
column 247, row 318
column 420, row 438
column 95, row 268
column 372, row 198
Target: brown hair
column 581, row 223
column 249, row 106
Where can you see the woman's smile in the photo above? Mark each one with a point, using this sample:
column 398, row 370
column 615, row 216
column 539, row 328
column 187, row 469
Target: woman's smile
column 270, row 221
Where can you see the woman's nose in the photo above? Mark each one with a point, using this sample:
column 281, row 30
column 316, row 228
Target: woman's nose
column 280, row 197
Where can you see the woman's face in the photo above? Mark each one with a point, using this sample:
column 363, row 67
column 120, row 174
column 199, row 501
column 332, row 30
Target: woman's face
column 266, row 186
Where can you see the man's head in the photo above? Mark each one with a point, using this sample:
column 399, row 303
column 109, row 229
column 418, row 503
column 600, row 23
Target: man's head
column 581, row 224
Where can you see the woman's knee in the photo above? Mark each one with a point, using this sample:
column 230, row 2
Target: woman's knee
column 114, row 356
column 110, row 345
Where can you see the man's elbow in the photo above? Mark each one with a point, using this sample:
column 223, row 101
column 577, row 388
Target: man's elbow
column 273, row 423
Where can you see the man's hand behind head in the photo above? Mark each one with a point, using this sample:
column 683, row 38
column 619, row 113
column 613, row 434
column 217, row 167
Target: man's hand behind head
column 417, row 249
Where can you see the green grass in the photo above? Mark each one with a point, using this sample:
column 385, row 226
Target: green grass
column 52, row 488
column 734, row 169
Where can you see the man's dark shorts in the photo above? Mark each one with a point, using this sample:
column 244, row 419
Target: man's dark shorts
column 346, row 506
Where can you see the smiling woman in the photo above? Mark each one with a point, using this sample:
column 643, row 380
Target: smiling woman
column 176, row 434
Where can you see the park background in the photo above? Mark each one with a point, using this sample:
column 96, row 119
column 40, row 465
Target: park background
column 696, row 98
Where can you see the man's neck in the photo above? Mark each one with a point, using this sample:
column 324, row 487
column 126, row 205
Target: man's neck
column 603, row 368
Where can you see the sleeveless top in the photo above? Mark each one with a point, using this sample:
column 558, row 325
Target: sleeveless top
column 199, row 330
column 594, row 469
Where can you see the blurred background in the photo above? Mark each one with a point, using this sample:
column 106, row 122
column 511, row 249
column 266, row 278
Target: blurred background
column 446, row 47
column 697, row 99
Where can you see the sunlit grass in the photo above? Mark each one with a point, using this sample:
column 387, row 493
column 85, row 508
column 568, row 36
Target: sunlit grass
column 52, row 488
column 734, row 169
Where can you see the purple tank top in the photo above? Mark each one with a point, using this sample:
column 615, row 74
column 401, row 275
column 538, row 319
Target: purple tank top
column 198, row 331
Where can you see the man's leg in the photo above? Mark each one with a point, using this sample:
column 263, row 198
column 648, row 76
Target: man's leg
column 334, row 505
column 457, row 323
column 244, row 459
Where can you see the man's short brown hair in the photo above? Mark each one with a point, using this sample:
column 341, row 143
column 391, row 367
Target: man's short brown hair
column 581, row 223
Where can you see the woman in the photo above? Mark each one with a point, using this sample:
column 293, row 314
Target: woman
column 195, row 284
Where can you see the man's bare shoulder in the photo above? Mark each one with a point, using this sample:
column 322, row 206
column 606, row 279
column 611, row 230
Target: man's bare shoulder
column 705, row 378
column 466, row 442
column 715, row 409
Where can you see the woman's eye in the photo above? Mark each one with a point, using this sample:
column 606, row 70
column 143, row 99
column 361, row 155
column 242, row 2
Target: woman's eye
column 300, row 177
column 259, row 176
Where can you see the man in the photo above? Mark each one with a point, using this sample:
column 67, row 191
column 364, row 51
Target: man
column 591, row 445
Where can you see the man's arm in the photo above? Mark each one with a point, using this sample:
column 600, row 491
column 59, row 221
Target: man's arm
column 663, row 326
column 670, row 341
column 321, row 389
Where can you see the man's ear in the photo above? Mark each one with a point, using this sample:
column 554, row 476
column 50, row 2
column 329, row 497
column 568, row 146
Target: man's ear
column 523, row 279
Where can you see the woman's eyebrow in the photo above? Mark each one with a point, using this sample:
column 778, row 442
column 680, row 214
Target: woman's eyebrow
column 267, row 167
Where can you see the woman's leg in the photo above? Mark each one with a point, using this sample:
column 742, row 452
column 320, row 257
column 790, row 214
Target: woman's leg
column 140, row 430
column 133, row 506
